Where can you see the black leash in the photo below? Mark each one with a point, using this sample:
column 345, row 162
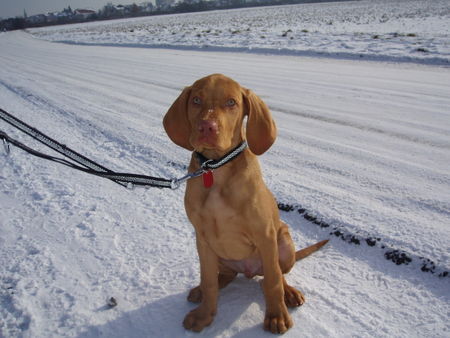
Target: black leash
column 88, row 166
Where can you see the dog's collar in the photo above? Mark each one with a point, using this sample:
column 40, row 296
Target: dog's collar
column 208, row 164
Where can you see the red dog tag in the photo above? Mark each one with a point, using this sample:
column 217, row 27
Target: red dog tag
column 208, row 178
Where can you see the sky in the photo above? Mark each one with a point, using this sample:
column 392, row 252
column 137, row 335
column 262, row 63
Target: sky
column 13, row 8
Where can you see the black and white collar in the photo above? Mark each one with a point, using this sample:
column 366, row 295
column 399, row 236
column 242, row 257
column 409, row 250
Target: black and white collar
column 208, row 164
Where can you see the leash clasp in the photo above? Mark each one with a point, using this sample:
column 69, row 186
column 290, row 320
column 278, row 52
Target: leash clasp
column 176, row 182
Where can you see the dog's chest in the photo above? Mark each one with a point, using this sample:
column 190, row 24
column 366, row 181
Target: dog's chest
column 217, row 214
column 220, row 221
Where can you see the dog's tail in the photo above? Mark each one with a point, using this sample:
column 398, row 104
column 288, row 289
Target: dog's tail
column 300, row 254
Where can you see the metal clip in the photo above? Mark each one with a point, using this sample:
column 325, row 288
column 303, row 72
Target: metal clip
column 176, row 182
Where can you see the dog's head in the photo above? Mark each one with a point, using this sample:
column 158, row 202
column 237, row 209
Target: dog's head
column 208, row 117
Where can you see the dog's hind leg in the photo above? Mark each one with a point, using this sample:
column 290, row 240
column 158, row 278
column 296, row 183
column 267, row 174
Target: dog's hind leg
column 292, row 296
column 226, row 276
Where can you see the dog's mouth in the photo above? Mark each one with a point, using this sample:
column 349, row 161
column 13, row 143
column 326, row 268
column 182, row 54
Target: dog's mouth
column 208, row 141
column 210, row 147
column 203, row 144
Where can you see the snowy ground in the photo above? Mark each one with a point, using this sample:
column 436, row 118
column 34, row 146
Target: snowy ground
column 400, row 30
column 363, row 146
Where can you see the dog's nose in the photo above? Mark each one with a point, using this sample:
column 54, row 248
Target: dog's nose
column 208, row 127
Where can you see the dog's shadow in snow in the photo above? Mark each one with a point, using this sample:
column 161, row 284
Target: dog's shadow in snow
column 240, row 314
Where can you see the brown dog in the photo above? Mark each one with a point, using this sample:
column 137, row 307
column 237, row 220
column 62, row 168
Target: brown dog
column 235, row 216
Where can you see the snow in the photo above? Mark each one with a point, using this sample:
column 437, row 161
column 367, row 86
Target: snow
column 400, row 30
column 363, row 146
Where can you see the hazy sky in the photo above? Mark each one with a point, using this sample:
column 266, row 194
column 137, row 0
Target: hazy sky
column 12, row 8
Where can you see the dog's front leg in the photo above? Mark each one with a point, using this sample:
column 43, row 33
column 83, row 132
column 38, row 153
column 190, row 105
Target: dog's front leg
column 204, row 314
column 277, row 318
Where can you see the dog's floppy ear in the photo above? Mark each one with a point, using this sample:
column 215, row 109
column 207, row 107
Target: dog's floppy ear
column 176, row 121
column 261, row 129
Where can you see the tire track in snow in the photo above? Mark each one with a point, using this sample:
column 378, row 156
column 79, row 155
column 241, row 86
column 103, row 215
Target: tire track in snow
column 397, row 256
column 360, row 126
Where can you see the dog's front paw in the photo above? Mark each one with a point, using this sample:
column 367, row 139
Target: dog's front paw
column 278, row 323
column 198, row 319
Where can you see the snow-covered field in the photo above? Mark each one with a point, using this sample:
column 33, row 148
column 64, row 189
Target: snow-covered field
column 400, row 30
column 363, row 147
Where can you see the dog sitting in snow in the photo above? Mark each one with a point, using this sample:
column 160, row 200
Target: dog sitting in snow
column 235, row 216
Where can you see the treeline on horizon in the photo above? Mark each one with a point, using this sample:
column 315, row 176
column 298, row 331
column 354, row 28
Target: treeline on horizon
column 109, row 12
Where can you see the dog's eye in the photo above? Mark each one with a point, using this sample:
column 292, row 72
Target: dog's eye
column 231, row 102
column 197, row 100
